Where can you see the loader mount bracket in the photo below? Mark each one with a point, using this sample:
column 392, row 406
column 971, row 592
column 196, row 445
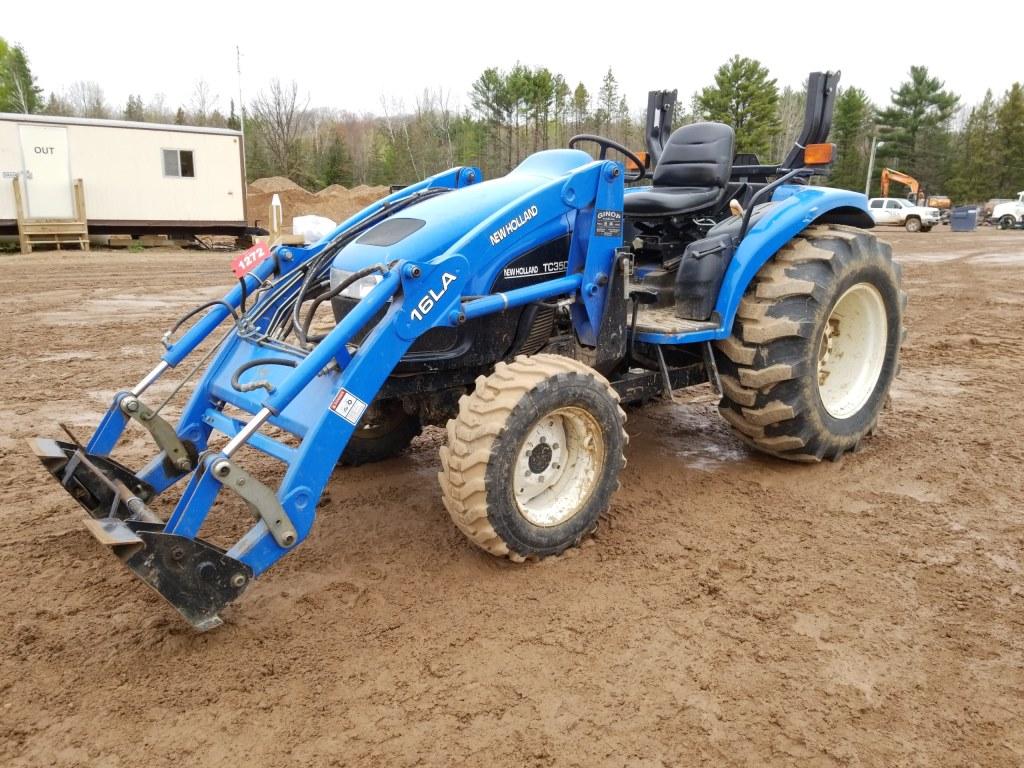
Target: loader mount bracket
column 195, row 577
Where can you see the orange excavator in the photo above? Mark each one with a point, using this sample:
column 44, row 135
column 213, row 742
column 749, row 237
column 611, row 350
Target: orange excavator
column 941, row 202
column 889, row 174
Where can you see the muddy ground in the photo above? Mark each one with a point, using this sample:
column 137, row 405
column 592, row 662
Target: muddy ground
column 732, row 610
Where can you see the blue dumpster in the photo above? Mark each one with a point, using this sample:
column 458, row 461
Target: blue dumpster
column 964, row 218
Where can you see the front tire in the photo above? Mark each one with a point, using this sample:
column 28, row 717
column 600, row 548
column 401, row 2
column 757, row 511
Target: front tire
column 533, row 456
column 1007, row 222
column 913, row 224
column 815, row 345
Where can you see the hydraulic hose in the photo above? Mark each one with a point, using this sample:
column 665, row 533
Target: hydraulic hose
column 327, row 255
column 259, row 383
column 326, row 295
column 193, row 312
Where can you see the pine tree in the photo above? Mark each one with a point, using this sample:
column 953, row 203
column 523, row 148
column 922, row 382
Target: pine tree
column 977, row 164
column 179, row 117
column 383, row 162
column 580, row 107
column 852, row 126
column 334, row 166
column 492, row 100
column 607, row 101
column 540, row 99
column 561, row 109
column 58, row 106
column 1010, row 139
column 134, row 109
column 234, row 123
column 18, row 89
column 745, row 97
column 915, row 129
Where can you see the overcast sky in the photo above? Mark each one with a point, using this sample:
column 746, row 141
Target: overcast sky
column 347, row 55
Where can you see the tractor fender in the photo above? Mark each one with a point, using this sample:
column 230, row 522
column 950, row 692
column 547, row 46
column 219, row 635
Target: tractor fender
column 793, row 209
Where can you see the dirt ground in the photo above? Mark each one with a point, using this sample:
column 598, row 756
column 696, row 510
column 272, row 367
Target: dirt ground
column 732, row 610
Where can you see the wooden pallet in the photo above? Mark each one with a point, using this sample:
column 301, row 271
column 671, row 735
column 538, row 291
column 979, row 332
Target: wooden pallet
column 33, row 232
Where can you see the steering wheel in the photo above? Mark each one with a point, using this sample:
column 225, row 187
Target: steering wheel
column 606, row 144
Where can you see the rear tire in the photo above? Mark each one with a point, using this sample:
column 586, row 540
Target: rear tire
column 815, row 345
column 913, row 224
column 533, row 457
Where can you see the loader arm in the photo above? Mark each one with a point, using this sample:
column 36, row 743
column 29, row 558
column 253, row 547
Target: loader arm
column 317, row 392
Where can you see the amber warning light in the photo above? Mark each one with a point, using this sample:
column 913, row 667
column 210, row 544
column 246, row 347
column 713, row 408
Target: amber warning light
column 818, row 154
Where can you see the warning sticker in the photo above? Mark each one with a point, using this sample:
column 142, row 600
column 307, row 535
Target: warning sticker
column 348, row 406
column 609, row 224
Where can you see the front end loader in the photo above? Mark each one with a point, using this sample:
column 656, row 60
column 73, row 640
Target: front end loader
column 521, row 313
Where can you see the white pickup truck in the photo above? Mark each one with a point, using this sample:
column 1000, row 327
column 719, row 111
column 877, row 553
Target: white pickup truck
column 902, row 213
column 1010, row 215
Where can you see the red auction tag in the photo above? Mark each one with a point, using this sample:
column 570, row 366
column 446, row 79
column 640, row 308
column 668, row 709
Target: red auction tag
column 248, row 260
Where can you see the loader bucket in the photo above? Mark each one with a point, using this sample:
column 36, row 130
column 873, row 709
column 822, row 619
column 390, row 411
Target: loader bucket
column 197, row 578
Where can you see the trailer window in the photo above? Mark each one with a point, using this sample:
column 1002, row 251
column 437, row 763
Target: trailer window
column 179, row 163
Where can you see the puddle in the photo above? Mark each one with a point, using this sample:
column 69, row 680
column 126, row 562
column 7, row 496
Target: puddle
column 693, row 433
column 934, row 387
column 1016, row 257
column 121, row 307
column 928, row 257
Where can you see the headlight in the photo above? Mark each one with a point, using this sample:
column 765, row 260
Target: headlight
column 360, row 289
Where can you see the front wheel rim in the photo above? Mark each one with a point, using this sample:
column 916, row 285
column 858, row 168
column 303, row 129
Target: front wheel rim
column 558, row 466
column 851, row 352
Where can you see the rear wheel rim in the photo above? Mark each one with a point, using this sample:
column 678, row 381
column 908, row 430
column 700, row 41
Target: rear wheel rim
column 558, row 466
column 851, row 352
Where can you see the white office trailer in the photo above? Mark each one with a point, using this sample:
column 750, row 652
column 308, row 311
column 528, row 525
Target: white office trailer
column 137, row 178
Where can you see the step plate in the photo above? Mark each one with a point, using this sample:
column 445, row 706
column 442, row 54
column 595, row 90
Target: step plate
column 664, row 320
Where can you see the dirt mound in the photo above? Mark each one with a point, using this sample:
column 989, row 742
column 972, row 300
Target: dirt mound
column 335, row 202
column 273, row 184
column 335, row 190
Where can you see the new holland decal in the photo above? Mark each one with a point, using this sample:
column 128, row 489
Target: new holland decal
column 507, row 229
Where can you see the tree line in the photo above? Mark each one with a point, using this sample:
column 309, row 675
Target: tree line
column 969, row 152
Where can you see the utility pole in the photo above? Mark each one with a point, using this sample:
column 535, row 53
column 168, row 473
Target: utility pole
column 875, row 143
column 241, row 104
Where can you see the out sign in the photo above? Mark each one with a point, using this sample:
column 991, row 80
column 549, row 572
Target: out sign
column 248, row 260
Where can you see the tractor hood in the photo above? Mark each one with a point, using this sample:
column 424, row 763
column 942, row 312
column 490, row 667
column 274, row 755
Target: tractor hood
column 428, row 229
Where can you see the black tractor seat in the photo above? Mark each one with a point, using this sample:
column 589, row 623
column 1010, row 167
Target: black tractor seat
column 692, row 173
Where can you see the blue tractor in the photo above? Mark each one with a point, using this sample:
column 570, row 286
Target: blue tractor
column 523, row 313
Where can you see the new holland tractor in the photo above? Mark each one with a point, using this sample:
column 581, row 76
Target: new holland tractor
column 523, row 313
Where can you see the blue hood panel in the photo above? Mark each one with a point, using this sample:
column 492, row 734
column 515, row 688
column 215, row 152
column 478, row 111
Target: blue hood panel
column 449, row 216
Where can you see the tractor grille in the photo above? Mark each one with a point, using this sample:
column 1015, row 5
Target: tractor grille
column 540, row 331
